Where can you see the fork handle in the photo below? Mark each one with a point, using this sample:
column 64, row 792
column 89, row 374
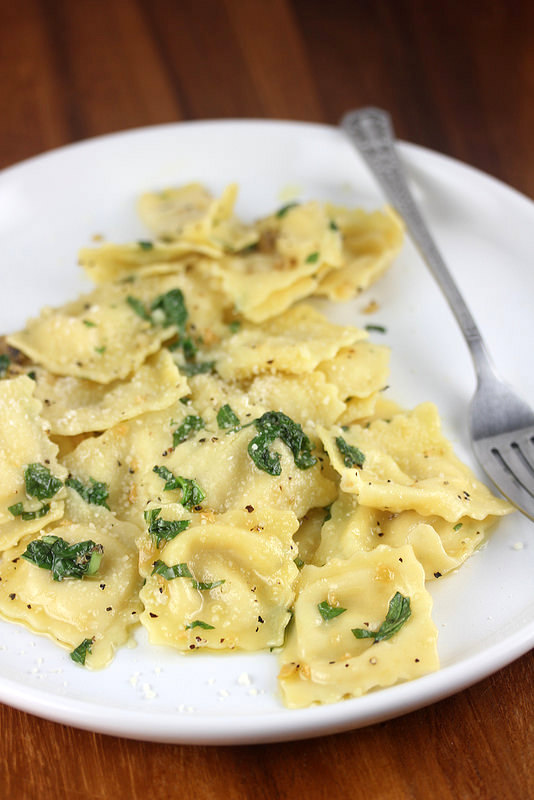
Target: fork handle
column 371, row 131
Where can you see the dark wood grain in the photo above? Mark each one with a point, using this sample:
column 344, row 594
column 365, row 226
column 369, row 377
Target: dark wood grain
column 458, row 77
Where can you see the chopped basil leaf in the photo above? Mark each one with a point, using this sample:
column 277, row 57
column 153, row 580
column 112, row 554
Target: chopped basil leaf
column 234, row 326
column 332, row 225
column 327, row 513
column 277, row 425
column 190, row 424
column 250, row 248
column 352, row 456
column 186, row 400
column 100, row 350
column 145, row 245
column 458, row 526
column 226, row 418
column 5, row 361
column 172, row 304
column 32, row 375
column 204, row 587
column 283, row 211
column 189, row 348
column 312, row 258
column 63, row 559
column 377, row 328
column 89, row 324
column 79, row 654
column 196, row 369
column 197, row 623
column 192, row 493
column 95, row 494
column 398, row 613
column 40, row 482
column 18, row 511
column 181, row 571
column 163, row 530
column 171, row 572
column 139, row 307
column 299, row 563
column 166, row 475
column 329, row 612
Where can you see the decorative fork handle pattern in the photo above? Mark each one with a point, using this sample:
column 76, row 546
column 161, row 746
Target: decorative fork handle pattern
column 371, row 131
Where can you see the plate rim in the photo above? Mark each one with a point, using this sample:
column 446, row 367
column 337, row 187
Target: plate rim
column 285, row 724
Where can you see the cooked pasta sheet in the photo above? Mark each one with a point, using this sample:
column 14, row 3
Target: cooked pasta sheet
column 194, row 447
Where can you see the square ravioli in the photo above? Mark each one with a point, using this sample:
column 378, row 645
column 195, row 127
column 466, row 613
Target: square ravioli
column 76, row 405
column 100, row 608
column 406, row 463
column 440, row 546
column 224, row 583
column 358, row 625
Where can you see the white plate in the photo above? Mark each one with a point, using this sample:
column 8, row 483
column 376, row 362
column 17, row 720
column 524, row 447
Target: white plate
column 51, row 205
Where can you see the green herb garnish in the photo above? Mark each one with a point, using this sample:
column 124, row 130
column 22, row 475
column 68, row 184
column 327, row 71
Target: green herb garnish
column 398, row 613
column 205, row 587
column 234, row 326
column 332, row 225
column 283, row 211
column 95, row 494
column 171, row 572
column 163, row 530
column 352, row 456
column 79, row 654
column 458, row 526
column 40, row 482
column 89, row 324
column 192, row 493
column 18, row 511
column 181, row 571
column 64, row 560
column 226, row 418
column 5, row 361
column 190, row 424
column 299, row 563
column 277, row 425
column 197, row 623
column 172, row 304
column 145, row 245
column 139, row 307
column 377, row 328
column 250, row 248
column 329, row 612
column 189, row 348
column 313, row 258
column 196, row 369
column 100, row 350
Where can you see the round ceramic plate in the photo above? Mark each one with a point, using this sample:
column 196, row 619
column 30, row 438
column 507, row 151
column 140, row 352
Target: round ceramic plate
column 52, row 205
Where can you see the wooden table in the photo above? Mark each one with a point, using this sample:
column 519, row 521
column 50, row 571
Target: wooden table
column 459, row 78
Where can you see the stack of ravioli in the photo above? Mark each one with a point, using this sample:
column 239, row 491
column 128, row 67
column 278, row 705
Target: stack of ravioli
column 228, row 451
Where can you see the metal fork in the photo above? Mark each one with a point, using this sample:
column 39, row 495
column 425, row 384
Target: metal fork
column 500, row 423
